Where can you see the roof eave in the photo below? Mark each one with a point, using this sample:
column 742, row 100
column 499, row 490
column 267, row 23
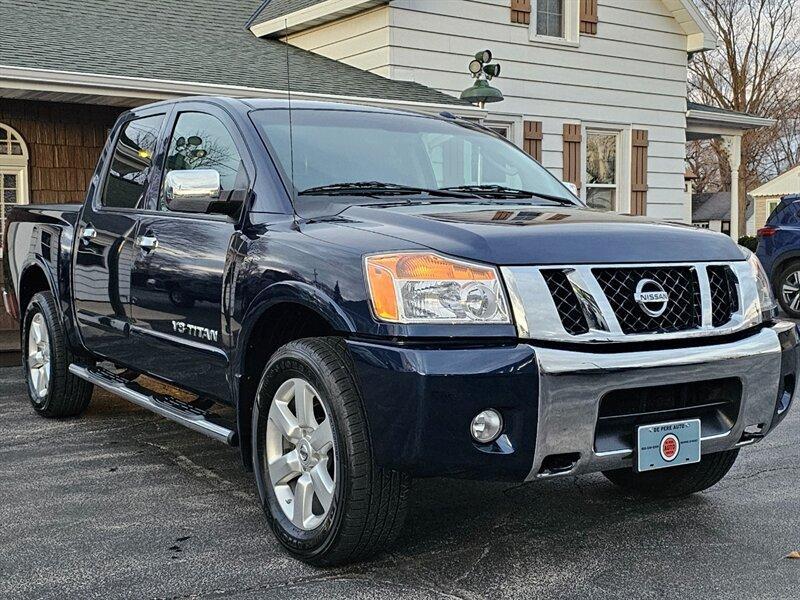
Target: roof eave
column 700, row 36
column 45, row 80
column 313, row 16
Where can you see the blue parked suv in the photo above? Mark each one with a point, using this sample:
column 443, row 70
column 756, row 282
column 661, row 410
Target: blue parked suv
column 779, row 252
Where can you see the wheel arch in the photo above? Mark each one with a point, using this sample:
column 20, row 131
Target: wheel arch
column 779, row 264
column 34, row 278
column 282, row 313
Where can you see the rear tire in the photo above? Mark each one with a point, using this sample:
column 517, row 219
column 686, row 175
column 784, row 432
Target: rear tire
column 46, row 356
column 358, row 509
column 676, row 482
column 787, row 289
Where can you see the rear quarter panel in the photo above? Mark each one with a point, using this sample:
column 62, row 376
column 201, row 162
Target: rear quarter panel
column 40, row 236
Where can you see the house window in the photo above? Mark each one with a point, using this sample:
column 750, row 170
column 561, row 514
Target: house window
column 502, row 129
column 771, row 206
column 602, row 169
column 555, row 22
column 13, row 173
column 550, row 18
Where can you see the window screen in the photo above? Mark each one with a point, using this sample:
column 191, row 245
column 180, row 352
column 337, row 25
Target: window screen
column 126, row 182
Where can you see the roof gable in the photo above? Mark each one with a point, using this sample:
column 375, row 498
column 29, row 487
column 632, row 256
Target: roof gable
column 782, row 185
column 277, row 17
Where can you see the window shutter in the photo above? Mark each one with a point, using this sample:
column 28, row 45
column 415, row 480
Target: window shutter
column 640, row 144
column 521, row 11
column 572, row 154
column 589, row 17
column 532, row 143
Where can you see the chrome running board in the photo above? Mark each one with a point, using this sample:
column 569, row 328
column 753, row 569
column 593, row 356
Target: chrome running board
column 166, row 406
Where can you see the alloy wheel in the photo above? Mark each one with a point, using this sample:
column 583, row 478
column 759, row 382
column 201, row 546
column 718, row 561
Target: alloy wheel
column 39, row 355
column 300, row 454
column 790, row 290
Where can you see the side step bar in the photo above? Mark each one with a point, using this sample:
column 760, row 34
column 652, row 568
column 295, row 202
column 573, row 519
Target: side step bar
column 161, row 404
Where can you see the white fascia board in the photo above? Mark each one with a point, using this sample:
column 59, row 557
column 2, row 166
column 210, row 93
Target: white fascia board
column 16, row 78
column 318, row 14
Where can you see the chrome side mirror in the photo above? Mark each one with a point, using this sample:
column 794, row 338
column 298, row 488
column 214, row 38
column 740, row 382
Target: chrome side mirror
column 191, row 190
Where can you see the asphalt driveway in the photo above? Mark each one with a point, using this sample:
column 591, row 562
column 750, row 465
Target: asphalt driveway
column 123, row 504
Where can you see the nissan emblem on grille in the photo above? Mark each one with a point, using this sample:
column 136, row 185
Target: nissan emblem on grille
column 651, row 297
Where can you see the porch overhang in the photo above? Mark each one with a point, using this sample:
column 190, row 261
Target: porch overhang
column 705, row 122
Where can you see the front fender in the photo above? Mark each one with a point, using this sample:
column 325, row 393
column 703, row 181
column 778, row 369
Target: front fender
column 297, row 292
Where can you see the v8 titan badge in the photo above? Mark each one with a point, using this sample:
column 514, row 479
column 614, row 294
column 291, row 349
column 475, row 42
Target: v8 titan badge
column 668, row 445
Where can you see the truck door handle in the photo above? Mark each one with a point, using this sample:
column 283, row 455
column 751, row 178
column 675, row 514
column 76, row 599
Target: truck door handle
column 148, row 243
column 88, row 233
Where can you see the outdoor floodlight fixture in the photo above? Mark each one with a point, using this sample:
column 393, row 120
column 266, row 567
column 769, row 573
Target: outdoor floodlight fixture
column 481, row 92
column 492, row 71
column 484, row 56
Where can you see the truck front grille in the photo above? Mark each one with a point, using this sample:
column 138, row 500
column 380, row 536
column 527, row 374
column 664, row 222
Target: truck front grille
column 622, row 303
column 566, row 301
column 715, row 402
column 724, row 294
column 683, row 310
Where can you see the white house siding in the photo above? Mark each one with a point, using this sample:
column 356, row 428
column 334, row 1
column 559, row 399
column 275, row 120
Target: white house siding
column 631, row 75
column 361, row 40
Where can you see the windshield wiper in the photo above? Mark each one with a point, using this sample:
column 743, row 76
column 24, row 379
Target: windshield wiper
column 499, row 191
column 380, row 188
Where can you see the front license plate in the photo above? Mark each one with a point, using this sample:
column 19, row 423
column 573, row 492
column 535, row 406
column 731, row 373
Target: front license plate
column 668, row 444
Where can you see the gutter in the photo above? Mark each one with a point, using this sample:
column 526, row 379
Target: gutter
column 148, row 90
column 741, row 121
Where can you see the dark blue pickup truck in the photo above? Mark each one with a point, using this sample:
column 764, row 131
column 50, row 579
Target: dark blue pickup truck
column 356, row 296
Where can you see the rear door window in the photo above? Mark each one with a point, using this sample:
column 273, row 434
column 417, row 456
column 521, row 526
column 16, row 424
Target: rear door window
column 131, row 163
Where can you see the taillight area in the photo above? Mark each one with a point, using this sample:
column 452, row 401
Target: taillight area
column 766, row 232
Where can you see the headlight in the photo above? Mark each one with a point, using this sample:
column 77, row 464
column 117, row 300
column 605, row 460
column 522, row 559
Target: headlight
column 418, row 287
column 769, row 307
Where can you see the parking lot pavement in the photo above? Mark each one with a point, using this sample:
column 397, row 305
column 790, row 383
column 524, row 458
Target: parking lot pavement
column 123, row 504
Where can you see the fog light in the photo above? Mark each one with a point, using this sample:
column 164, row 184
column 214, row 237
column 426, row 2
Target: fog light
column 486, row 426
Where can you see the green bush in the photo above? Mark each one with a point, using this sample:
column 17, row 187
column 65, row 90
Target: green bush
column 749, row 242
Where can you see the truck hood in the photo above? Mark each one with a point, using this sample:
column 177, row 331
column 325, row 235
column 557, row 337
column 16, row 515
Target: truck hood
column 505, row 234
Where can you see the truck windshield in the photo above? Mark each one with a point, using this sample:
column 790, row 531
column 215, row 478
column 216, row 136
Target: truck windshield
column 362, row 153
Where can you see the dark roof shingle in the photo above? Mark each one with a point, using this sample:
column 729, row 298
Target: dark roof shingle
column 715, row 207
column 203, row 41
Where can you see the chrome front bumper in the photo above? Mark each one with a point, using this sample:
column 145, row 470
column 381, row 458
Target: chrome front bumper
column 572, row 384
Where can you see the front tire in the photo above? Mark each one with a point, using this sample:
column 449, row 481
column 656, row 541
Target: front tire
column 52, row 389
column 788, row 289
column 324, row 497
column 676, row 482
